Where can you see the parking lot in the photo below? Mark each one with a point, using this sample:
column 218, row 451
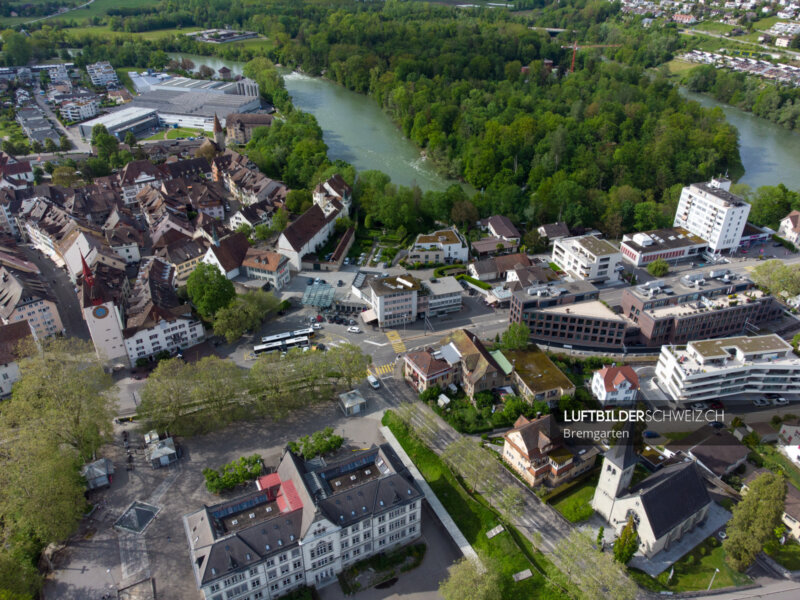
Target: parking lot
column 99, row 559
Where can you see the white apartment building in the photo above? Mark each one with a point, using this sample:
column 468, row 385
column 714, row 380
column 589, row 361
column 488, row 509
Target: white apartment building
column 710, row 211
column 445, row 246
column 734, row 366
column 79, row 110
column 305, row 524
column 26, row 297
column 403, row 299
column 443, row 296
column 587, row 257
column 102, row 73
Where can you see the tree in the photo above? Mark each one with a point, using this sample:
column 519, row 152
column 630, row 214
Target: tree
column 263, row 232
column 205, row 72
column 512, row 502
column 627, row 543
column 595, row 573
column 245, row 229
column 50, row 145
column 754, row 520
column 209, row 290
column 464, row 213
column 245, row 313
column 64, row 144
column 36, row 146
column 299, row 201
column 777, row 277
column 16, row 47
column 280, row 220
column 130, row 139
column 64, row 176
column 470, row 580
column 658, row 268
column 535, row 242
column 515, row 337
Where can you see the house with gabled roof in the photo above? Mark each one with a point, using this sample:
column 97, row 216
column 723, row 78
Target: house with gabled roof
column 618, row 386
column 227, row 254
column 425, row 369
column 790, row 227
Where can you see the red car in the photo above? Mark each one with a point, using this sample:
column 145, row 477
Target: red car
column 717, row 405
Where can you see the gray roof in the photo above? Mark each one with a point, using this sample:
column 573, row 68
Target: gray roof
column 672, row 495
column 623, row 454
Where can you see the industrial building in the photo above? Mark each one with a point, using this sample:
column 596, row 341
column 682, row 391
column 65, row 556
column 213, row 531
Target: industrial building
column 136, row 119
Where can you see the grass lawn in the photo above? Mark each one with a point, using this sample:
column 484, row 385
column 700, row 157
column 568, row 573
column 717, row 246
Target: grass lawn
column 125, row 79
column 575, row 505
column 474, row 519
column 787, row 555
column 184, row 133
column 10, row 129
column 774, row 460
column 713, row 27
column 678, row 67
column 674, row 436
column 694, row 571
column 99, row 8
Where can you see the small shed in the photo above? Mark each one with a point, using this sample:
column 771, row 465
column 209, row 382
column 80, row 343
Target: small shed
column 443, row 401
column 150, row 437
column 98, row 473
column 161, row 453
column 766, row 433
column 352, row 403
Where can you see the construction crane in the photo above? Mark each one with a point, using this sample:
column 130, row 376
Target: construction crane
column 575, row 48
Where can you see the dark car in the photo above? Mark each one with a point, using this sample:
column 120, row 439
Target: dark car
column 717, row 405
column 339, row 283
column 309, row 281
column 716, row 424
column 330, row 319
column 650, row 434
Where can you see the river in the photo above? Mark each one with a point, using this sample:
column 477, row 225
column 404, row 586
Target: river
column 358, row 131
column 770, row 153
column 354, row 127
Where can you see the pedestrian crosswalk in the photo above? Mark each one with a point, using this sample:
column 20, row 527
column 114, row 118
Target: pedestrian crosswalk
column 383, row 369
column 397, row 343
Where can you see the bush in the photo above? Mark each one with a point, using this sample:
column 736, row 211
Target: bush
column 233, row 474
column 442, row 271
column 142, row 362
column 658, row 268
column 162, row 355
column 477, row 283
column 318, row 443
column 785, row 243
column 431, row 394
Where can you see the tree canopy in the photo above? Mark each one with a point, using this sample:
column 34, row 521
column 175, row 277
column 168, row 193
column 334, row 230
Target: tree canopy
column 209, row 289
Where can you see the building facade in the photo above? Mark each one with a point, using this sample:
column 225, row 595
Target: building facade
column 615, row 386
column 710, row 211
column 587, row 257
column 26, row 297
column 444, row 246
column 102, row 74
column 675, row 244
column 713, row 369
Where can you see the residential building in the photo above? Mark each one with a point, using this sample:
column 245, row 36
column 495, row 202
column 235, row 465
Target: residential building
column 155, row 318
column 444, row 246
column 520, row 278
column 535, row 449
column 664, row 506
column 790, row 432
column 791, row 503
column 710, row 211
column 783, row 41
column 125, row 241
column 137, row 175
column 259, row 213
column 309, row 232
column 426, row 369
column 13, row 169
column 395, row 301
column 713, row 369
column 537, row 378
column 79, row 110
column 102, row 295
column 439, row 298
column 553, row 231
column 615, row 386
column 183, row 253
column 501, row 227
column 587, row 258
column 478, row 369
column 306, row 523
column 716, row 450
column 673, row 244
column 102, row 74
column 790, row 227
column 492, row 245
column 13, row 338
column 26, row 297
column 497, row 267
column 240, row 126
column 334, row 188
column 228, row 253
column 267, row 265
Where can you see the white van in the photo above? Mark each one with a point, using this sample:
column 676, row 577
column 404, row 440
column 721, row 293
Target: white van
column 373, row 381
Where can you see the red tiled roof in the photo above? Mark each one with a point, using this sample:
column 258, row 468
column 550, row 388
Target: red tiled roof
column 794, row 219
column 613, row 376
column 426, row 363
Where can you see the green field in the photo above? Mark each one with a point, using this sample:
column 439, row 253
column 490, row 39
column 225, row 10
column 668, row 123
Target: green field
column 474, row 519
column 787, row 555
column 775, row 461
column 176, row 133
column 105, row 31
column 575, row 505
column 678, row 67
column 713, row 27
column 97, row 8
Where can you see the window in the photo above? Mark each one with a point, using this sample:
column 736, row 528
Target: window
column 297, row 564
column 298, row 577
column 255, row 583
column 272, row 574
column 381, row 529
column 253, row 572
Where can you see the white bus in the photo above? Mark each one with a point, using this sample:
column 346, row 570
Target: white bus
column 278, row 337
column 282, row 345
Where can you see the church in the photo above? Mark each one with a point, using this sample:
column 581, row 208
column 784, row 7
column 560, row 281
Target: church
column 665, row 506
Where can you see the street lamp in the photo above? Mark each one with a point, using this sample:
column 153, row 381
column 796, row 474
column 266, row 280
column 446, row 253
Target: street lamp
column 111, row 575
column 712, row 579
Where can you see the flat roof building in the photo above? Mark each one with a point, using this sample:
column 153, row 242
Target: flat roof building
column 587, row 257
column 712, row 212
column 136, row 119
column 669, row 244
column 735, row 366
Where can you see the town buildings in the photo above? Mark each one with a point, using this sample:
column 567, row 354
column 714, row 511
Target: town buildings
column 537, row 378
column 790, row 227
column 26, row 297
column 267, row 265
column 402, row 299
column 444, row 246
column 535, row 449
column 136, row 119
column 711, row 212
column 306, row 523
column 615, row 386
column 102, row 74
column 715, row 449
column 587, row 258
column 728, row 367
column 239, row 127
column 673, row 244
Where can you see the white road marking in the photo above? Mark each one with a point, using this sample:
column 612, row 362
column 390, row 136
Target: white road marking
column 376, row 343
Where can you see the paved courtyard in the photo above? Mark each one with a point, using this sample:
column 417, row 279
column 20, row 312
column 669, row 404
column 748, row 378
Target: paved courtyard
column 99, row 558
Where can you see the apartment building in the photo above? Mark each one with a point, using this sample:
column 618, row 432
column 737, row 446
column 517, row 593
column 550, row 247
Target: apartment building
column 425, row 369
column 403, row 299
column 137, row 175
column 615, row 386
column 586, row 324
column 267, row 265
column 587, row 257
column 79, row 110
column 710, row 211
column 26, row 297
column 735, row 366
column 444, row 246
column 102, row 74
column 307, row 522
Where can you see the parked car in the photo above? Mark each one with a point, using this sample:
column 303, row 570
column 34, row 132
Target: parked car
column 352, row 321
column 780, row 401
column 316, row 326
column 717, row 405
column 339, row 283
column 373, row 381
column 716, row 424
column 649, row 433
column 760, row 402
column 318, row 280
column 309, row 281
column 699, row 405
column 353, row 330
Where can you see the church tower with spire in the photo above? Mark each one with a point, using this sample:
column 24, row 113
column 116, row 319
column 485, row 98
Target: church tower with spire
column 219, row 133
column 103, row 313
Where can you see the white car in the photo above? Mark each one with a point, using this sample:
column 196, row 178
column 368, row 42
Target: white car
column 373, row 381
column 316, row 326
column 353, row 330
column 700, row 405
column 760, row 402
column 780, row 401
